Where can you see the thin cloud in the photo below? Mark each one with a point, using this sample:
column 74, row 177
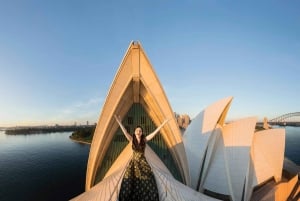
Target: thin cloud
column 86, row 110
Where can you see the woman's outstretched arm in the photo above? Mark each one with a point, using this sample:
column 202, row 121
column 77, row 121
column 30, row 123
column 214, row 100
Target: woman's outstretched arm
column 151, row 135
column 127, row 135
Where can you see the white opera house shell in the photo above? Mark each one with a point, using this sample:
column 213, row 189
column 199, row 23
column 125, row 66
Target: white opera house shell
column 209, row 160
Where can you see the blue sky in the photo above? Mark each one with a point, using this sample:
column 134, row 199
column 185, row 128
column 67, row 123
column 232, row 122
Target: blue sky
column 58, row 58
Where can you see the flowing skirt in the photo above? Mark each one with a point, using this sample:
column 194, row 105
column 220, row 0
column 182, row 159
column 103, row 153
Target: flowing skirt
column 138, row 183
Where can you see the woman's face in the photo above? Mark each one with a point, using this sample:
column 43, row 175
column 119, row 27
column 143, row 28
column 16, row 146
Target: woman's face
column 138, row 132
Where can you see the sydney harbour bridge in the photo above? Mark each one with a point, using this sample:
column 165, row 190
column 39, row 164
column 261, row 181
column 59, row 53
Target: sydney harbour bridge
column 289, row 119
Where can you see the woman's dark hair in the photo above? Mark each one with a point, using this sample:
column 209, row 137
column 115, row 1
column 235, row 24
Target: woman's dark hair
column 139, row 146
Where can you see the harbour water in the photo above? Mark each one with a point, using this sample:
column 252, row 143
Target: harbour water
column 292, row 144
column 46, row 167
column 41, row 167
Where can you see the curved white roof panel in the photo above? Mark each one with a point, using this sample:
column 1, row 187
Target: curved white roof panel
column 230, row 159
column 197, row 135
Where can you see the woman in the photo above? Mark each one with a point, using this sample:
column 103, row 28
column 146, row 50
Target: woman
column 138, row 183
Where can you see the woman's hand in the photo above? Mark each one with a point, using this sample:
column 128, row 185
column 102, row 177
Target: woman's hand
column 117, row 118
column 127, row 135
column 151, row 135
column 168, row 119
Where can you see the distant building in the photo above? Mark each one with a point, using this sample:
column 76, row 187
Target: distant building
column 183, row 121
column 266, row 124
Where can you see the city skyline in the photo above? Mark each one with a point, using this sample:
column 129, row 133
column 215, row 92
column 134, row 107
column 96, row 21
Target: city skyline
column 58, row 59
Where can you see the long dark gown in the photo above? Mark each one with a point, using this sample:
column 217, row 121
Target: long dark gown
column 138, row 183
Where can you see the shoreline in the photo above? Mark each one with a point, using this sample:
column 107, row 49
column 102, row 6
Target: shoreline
column 45, row 129
column 81, row 141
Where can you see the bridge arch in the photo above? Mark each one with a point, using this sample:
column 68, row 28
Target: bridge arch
column 285, row 117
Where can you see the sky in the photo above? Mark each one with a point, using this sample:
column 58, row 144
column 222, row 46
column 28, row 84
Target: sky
column 59, row 58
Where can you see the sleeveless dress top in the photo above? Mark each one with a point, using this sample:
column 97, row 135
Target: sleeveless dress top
column 138, row 183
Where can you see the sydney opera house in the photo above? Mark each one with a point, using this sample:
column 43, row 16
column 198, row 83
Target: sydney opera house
column 210, row 159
